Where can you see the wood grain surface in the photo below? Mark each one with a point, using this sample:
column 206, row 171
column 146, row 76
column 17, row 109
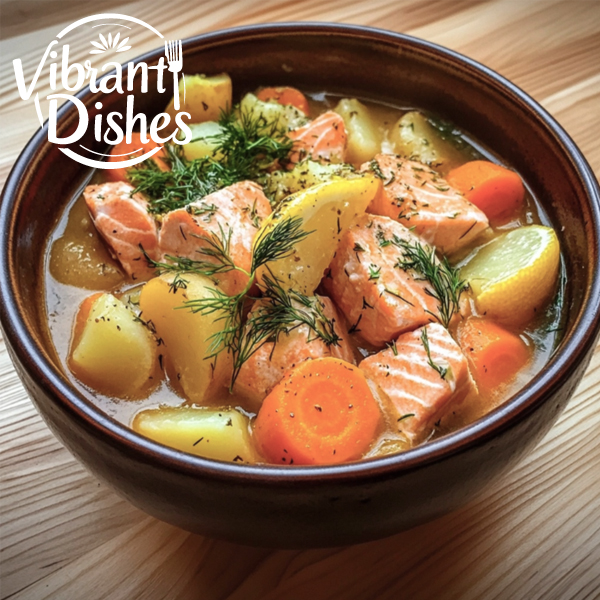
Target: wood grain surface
column 534, row 535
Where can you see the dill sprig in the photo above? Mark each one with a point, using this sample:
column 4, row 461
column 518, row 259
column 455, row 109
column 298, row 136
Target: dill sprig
column 443, row 371
column 446, row 284
column 186, row 182
column 214, row 250
column 281, row 310
column 278, row 242
column 247, row 147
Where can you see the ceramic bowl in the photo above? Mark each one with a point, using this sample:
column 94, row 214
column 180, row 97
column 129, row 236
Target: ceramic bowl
column 314, row 506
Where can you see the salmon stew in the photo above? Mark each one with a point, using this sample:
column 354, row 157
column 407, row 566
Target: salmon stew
column 310, row 280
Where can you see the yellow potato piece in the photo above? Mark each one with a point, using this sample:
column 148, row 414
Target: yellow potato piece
column 326, row 211
column 364, row 138
column 205, row 97
column 186, row 334
column 219, row 434
column 79, row 257
column 513, row 276
column 112, row 351
column 414, row 137
column 305, row 174
column 203, row 143
column 284, row 117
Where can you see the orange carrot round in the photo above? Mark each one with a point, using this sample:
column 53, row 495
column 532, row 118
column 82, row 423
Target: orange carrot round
column 285, row 95
column 122, row 152
column 496, row 190
column 495, row 354
column 322, row 412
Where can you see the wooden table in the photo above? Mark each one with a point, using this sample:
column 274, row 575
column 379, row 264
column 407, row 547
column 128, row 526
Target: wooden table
column 535, row 534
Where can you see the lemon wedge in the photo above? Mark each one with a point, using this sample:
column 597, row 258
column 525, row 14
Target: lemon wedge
column 326, row 210
column 514, row 275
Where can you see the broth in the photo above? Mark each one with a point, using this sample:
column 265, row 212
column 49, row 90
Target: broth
column 67, row 286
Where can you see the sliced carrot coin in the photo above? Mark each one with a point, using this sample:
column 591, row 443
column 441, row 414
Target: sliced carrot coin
column 322, row 412
column 285, row 95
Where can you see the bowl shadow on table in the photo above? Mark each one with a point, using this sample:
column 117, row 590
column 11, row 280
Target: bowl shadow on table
column 425, row 562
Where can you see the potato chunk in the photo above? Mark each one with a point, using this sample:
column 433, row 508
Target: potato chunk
column 111, row 350
column 79, row 257
column 415, row 137
column 186, row 334
column 364, row 139
column 219, row 434
column 326, row 211
column 305, row 174
column 205, row 97
column 203, row 143
column 284, row 117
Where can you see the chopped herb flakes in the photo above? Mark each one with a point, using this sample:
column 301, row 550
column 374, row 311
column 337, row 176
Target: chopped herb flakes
column 248, row 147
column 443, row 371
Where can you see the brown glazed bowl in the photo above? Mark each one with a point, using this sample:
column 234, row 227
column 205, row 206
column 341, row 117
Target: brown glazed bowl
column 314, row 506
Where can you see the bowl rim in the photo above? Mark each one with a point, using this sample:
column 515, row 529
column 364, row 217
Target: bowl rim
column 574, row 346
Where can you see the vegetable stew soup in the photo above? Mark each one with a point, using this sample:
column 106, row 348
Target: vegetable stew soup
column 310, row 280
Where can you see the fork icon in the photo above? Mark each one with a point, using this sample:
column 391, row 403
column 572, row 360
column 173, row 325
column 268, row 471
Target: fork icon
column 175, row 60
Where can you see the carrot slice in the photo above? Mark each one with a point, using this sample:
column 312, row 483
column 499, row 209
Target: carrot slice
column 285, row 95
column 322, row 412
column 120, row 151
column 495, row 355
column 496, row 190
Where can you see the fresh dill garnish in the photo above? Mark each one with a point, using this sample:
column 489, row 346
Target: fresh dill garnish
column 393, row 347
column 374, row 272
column 213, row 250
column 443, row 371
column 280, row 311
column 278, row 242
column 446, row 286
column 246, row 148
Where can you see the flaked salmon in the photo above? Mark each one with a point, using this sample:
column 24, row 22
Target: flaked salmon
column 233, row 213
column 415, row 195
column 266, row 367
column 323, row 139
column 123, row 221
column 423, row 377
column 379, row 300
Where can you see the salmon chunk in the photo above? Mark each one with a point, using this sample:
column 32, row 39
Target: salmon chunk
column 418, row 197
column 323, row 139
column 235, row 212
column 379, row 300
column 424, row 377
column 122, row 219
column 266, row 367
